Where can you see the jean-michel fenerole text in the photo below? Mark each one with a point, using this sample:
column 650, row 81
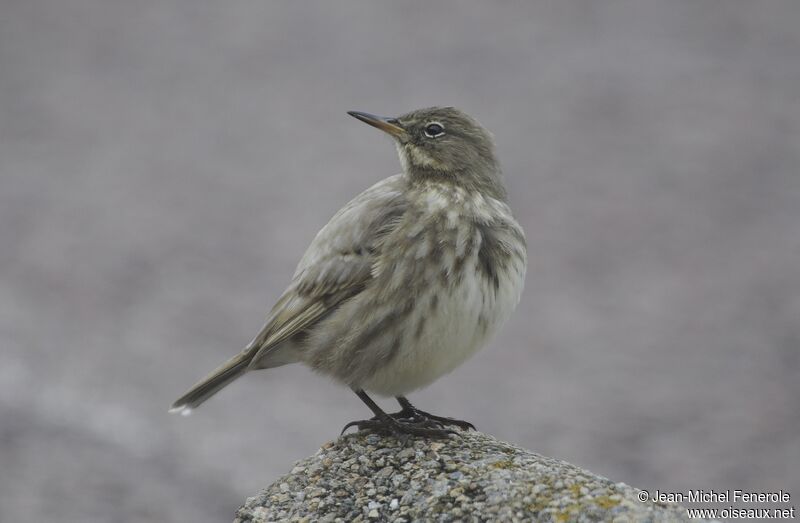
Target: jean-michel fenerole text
column 721, row 496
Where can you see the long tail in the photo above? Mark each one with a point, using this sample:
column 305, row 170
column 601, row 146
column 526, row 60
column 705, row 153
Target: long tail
column 213, row 383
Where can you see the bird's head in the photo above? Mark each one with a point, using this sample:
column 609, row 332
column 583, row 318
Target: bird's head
column 443, row 143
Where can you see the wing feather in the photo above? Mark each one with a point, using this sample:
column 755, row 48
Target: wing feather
column 337, row 265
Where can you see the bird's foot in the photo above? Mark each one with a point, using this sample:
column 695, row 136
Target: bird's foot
column 415, row 415
column 402, row 428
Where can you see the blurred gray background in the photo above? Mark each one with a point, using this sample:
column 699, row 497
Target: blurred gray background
column 163, row 166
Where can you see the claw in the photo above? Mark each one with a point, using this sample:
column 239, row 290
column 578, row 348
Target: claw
column 466, row 425
column 409, row 421
column 420, row 415
column 351, row 424
column 401, row 429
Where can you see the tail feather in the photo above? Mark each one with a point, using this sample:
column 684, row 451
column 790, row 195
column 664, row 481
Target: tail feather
column 213, row 383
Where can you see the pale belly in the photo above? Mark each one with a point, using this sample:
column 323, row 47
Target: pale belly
column 461, row 323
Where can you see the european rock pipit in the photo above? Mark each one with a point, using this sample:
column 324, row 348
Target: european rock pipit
column 405, row 282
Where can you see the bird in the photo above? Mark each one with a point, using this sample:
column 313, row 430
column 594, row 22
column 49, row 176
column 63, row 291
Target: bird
column 405, row 282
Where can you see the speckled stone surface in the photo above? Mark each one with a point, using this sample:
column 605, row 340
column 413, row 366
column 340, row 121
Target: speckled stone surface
column 474, row 477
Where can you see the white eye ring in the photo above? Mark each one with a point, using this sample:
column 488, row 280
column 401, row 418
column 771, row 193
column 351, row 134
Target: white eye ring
column 434, row 129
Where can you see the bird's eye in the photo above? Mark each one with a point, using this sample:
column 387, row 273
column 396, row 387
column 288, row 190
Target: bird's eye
column 434, row 130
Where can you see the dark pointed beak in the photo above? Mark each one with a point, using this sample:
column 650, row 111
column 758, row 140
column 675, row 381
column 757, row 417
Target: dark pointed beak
column 388, row 125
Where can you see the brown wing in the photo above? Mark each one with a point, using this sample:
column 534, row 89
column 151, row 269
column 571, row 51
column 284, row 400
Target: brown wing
column 337, row 265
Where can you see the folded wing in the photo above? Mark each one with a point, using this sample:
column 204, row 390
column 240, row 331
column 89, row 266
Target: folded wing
column 337, row 265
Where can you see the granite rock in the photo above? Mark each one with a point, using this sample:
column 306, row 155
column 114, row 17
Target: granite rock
column 470, row 477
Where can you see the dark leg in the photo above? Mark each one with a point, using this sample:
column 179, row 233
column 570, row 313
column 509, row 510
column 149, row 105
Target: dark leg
column 411, row 412
column 383, row 422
